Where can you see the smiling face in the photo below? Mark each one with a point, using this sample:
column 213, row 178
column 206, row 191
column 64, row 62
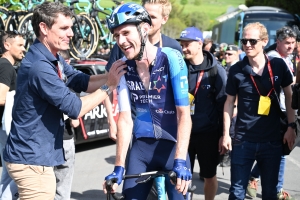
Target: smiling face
column 128, row 39
column 191, row 48
column 58, row 36
column 253, row 50
column 157, row 18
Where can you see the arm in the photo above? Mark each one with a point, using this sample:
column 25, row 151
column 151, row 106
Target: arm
column 3, row 91
column 290, row 134
column 184, row 131
column 125, row 126
column 225, row 140
column 91, row 101
column 74, row 123
column 110, row 119
column 96, row 81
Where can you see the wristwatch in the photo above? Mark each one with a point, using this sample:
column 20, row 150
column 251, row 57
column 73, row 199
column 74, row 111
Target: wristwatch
column 292, row 125
column 106, row 89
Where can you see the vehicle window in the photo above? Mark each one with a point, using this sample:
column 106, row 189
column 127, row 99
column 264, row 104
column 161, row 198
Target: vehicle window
column 100, row 69
column 86, row 71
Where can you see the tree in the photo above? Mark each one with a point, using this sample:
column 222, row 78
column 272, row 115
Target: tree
column 184, row 2
column 197, row 2
column 173, row 28
column 199, row 20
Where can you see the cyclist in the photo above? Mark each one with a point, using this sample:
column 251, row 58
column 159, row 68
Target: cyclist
column 159, row 11
column 156, row 82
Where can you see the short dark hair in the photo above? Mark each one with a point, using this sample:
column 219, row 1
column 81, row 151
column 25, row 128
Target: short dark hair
column 285, row 32
column 4, row 35
column 47, row 12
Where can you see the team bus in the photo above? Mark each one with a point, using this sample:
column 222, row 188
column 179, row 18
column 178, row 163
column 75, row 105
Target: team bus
column 229, row 30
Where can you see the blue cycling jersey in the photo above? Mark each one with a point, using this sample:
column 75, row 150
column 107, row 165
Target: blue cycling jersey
column 156, row 115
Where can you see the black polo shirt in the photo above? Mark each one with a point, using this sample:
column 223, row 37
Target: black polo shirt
column 249, row 125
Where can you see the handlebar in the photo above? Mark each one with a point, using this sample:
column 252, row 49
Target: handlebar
column 143, row 178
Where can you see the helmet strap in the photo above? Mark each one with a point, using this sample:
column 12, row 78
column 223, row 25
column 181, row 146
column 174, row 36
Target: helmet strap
column 143, row 44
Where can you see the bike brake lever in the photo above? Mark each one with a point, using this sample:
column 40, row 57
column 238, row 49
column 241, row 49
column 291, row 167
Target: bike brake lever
column 173, row 178
column 109, row 185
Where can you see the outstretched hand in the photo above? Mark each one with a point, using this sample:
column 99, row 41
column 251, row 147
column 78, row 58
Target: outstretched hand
column 115, row 73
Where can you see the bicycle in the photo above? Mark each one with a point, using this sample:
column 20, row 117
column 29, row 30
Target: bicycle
column 15, row 17
column 92, row 10
column 145, row 177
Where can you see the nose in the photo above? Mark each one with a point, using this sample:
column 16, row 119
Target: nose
column 70, row 32
column 121, row 39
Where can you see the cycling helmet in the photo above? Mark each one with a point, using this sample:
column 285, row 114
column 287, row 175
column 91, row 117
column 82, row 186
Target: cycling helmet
column 128, row 13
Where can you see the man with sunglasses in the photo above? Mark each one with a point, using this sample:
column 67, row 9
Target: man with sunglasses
column 207, row 81
column 285, row 45
column 257, row 132
column 231, row 56
column 12, row 50
column 35, row 143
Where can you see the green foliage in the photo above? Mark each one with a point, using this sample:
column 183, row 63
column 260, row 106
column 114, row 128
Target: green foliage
column 198, row 20
column 184, row 2
column 197, row 2
column 173, row 27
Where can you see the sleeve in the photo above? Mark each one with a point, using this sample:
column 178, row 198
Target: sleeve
column 123, row 95
column 6, row 73
column 231, row 85
column 287, row 77
column 115, row 55
column 221, row 96
column 44, row 82
column 178, row 76
column 76, row 80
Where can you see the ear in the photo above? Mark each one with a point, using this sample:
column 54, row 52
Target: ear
column 7, row 46
column 165, row 19
column 265, row 42
column 43, row 28
column 145, row 29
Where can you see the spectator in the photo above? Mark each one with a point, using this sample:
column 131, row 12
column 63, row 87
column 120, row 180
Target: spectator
column 162, row 123
column 207, row 81
column 159, row 11
column 207, row 44
column 231, row 56
column 286, row 41
column 12, row 49
column 35, row 143
column 256, row 129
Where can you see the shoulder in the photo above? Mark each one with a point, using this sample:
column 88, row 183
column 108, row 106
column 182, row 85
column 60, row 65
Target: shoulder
column 6, row 66
column 273, row 54
column 170, row 42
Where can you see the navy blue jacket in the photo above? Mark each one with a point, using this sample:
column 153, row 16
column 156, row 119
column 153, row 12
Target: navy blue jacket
column 36, row 136
column 209, row 99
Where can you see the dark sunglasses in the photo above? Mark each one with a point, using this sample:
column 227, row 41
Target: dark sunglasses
column 252, row 41
column 230, row 54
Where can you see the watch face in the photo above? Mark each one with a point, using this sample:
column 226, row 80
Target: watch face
column 104, row 87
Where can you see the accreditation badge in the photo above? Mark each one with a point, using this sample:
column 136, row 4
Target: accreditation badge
column 192, row 103
column 264, row 105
